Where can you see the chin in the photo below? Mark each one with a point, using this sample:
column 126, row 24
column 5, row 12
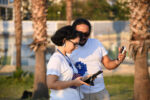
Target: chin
column 82, row 43
column 69, row 52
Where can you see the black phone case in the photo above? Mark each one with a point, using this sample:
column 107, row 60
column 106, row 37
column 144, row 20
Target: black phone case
column 90, row 80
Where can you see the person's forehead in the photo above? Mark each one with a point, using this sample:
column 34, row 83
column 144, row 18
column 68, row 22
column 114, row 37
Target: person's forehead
column 82, row 28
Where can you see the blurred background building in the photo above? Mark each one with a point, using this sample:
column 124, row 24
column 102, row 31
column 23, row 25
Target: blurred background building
column 108, row 25
column 6, row 9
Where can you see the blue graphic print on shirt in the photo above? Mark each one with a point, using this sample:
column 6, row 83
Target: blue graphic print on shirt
column 81, row 67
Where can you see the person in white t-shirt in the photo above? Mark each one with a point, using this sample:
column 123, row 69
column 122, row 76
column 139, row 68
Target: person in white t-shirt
column 93, row 54
column 62, row 77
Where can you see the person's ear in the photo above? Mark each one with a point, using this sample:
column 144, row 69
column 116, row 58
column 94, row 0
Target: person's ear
column 64, row 42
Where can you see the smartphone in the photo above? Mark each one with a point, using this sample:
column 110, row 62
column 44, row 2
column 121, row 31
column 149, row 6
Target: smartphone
column 91, row 79
column 123, row 48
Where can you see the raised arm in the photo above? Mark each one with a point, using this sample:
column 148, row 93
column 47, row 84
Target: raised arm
column 112, row 64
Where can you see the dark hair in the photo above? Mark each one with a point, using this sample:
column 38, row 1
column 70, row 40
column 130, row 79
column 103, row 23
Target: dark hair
column 66, row 32
column 82, row 21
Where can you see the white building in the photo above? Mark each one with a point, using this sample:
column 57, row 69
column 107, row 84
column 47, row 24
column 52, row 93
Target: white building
column 6, row 9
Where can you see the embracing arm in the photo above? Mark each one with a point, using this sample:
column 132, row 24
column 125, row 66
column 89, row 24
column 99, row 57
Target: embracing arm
column 54, row 83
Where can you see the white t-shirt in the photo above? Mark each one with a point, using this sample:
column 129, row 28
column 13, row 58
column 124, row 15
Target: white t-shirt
column 91, row 54
column 59, row 66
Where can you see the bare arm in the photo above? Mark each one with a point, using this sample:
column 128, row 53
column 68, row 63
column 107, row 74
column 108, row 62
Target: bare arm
column 112, row 64
column 54, row 83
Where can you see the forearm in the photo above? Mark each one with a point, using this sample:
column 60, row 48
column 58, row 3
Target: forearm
column 112, row 64
column 57, row 85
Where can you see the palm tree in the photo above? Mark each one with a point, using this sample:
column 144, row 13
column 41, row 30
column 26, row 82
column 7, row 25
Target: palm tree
column 39, row 46
column 18, row 31
column 139, row 45
column 69, row 11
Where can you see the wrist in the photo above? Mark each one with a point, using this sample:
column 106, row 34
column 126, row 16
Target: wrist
column 72, row 82
column 117, row 62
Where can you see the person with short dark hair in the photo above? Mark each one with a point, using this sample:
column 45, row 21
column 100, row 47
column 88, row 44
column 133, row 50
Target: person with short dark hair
column 92, row 54
column 62, row 76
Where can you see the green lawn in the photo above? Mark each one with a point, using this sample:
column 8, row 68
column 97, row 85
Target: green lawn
column 12, row 88
column 119, row 87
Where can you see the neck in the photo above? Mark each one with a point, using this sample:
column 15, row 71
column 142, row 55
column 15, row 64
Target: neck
column 61, row 49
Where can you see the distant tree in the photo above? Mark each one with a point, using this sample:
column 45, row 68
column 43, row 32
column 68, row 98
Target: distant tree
column 18, row 31
column 39, row 46
column 69, row 11
column 56, row 11
column 26, row 9
column 120, row 11
column 139, row 46
column 97, row 10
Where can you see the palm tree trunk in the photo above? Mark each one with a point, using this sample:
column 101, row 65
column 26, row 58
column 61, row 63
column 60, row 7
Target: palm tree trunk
column 141, row 78
column 38, row 45
column 40, row 87
column 139, row 45
column 18, row 31
column 69, row 11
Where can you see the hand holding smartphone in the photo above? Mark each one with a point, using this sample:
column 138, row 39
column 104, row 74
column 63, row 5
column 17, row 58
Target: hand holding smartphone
column 123, row 49
column 90, row 80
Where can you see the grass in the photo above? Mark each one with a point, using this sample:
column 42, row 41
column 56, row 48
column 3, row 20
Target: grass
column 12, row 88
column 119, row 87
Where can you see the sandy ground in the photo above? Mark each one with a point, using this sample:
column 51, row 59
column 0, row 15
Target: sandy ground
column 123, row 69
column 9, row 69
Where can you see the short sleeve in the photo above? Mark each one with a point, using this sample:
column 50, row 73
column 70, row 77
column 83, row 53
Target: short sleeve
column 104, row 51
column 102, row 48
column 53, row 66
